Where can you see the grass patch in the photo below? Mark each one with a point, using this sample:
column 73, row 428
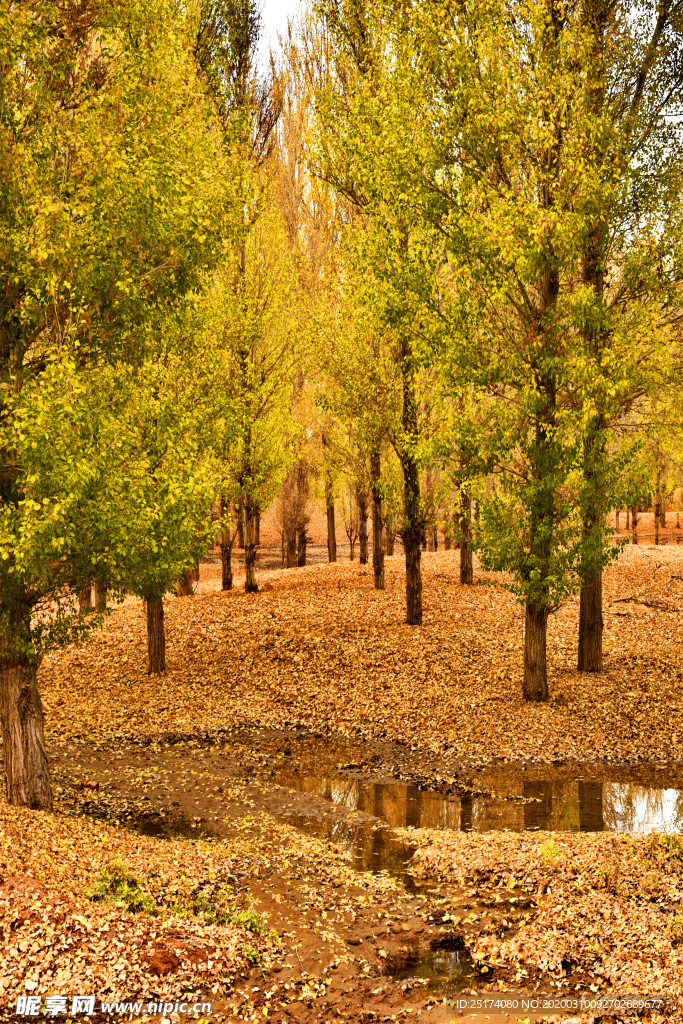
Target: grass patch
column 118, row 885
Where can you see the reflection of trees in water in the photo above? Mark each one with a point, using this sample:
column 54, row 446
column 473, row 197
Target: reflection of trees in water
column 628, row 807
column 561, row 805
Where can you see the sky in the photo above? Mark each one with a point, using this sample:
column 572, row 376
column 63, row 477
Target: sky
column 275, row 13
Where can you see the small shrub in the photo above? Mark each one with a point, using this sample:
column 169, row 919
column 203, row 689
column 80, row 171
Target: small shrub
column 252, row 956
column 666, row 852
column 550, row 851
column 118, row 885
column 215, row 902
column 676, row 930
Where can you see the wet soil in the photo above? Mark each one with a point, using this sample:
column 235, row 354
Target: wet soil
column 357, row 951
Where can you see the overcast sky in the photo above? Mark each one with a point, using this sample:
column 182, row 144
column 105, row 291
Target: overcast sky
column 275, row 13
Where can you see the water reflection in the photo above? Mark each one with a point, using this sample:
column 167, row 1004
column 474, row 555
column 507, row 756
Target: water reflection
column 518, row 804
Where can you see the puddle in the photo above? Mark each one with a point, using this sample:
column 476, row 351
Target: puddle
column 160, row 827
column 555, row 805
column 441, row 971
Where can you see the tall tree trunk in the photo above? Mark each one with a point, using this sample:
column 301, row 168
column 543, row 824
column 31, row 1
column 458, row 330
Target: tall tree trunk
column 250, row 549
column 27, row 776
column 466, row 567
column 435, row 538
column 185, row 584
column 634, row 523
column 430, row 539
column 411, row 546
column 591, row 625
column 85, row 600
column 291, row 547
column 362, row 501
column 535, row 640
column 390, row 535
column 628, row 519
column 100, row 597
column 413, row 528
column 226, row 551
column 658, row 503
column 156, row 639
column 301, row 546
column 331, row 528
column 240, row 527
column 617, row 520
column 377, row 545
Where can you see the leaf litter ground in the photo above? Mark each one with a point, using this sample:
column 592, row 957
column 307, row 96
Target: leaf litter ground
column 318, row 648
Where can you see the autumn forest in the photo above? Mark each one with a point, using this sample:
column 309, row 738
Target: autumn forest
column 341, row 482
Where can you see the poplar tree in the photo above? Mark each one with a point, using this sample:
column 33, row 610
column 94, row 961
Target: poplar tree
column 111, row 208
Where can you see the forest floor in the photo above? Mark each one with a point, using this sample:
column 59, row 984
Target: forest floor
column 288, row 806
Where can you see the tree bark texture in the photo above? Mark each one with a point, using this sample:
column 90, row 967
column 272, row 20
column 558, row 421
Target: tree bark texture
column 226, row 552
column 362, row 502
column 301, row 546
column 591, row 625
column 100, row 597
column 390, row 536
column 185, row 584
column 250, row 549
column 156, row 638
column 27, row 776
column 658, row 504
column 85, row 600
column 377, row 545
column 331, row 530
column 634, row 524
column 466, row 567
column 618, row 513
column 535, row 641
column 413, row 554
column 240, row 527
column 413, row 528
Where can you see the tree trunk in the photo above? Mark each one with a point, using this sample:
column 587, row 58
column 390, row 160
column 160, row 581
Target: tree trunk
column 634, row 523
column 435, row 535
column 226, row 551
column 447, row 536
column 390, row 536
column 185, row 584
column 377, row 546
column 100, row 597
column 257, row 529
column 412, row 532
column 27, row 776
column 591, row 625
column 658, row 504
column 466, row 567
column 662, row 512
column 362, row 501
column 250, row 549
column 301, row 543
column 617, row 521
column 85, row 600
column 240, row 527
column 628, row 519
column 290, row 547
column 411, row 545
column 535, row 669
column 156, row 639
column 331, row 531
